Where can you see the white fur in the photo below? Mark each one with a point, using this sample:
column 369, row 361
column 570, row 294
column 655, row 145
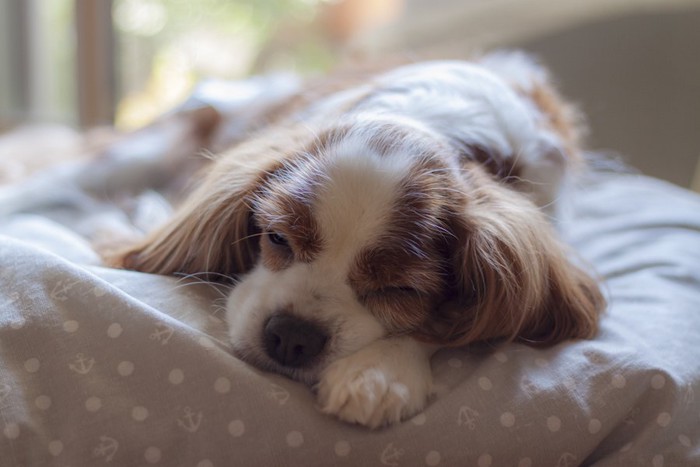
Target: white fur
column 385, row 382
column 365, row 377
column 354, row 204
column 474, row 103
column 358, row 196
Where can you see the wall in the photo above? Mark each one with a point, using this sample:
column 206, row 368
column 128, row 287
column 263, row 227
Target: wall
column 633, row 66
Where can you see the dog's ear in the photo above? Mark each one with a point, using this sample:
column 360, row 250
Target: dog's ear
column 212, row 232
column 512, row 277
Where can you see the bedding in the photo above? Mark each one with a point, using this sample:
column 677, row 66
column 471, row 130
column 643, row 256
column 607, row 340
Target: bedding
column 110, row 367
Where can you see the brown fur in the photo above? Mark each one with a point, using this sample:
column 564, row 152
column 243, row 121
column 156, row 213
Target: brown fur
column 513, row 279
column 465, row 257
column 399, row 287
column 284, row 205
column 275, row 257
column 212, row 232
column 561, row 118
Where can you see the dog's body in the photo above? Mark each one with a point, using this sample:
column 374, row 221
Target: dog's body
column 370, row 225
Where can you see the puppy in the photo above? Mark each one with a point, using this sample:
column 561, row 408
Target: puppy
column 370, row 222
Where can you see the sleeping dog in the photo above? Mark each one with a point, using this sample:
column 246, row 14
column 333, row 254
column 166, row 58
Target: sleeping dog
column 373, row 219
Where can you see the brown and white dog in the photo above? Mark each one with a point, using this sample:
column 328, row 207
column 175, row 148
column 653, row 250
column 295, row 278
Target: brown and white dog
column 369, row 224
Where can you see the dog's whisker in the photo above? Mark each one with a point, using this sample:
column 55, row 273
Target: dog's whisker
column 207, row 154
column 197, row 280
column 249, row 237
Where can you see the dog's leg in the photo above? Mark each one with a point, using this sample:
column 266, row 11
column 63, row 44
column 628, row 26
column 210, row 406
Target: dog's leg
column 380, row 384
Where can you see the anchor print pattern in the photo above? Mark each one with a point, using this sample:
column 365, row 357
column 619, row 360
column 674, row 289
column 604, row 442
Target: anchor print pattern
column 61, row 289
column 467, row 417
column 278, row 394
column 82, row 364
column 391, row 455
column 567, row 460
column 106, row 449
column 190, row 420
column 162, row 334
column 132, row 381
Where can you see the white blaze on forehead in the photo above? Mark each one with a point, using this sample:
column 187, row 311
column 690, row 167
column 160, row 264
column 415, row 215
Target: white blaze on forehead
column 359, row 193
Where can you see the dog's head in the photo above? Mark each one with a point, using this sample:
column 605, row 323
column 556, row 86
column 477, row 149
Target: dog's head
column 408, row 207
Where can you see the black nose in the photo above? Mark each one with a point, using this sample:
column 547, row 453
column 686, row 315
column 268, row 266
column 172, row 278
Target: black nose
column 291, row 341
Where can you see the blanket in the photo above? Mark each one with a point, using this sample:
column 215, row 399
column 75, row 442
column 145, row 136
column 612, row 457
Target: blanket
column 112, row 367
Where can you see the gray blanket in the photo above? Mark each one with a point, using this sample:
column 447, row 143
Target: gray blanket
column 107, row 367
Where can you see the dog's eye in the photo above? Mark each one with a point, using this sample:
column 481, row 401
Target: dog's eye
column 278, row 239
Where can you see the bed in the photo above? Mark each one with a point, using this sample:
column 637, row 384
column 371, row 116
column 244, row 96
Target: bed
column 110, row 367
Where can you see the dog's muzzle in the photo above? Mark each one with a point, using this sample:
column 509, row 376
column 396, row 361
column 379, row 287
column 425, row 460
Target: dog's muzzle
column 291, row 341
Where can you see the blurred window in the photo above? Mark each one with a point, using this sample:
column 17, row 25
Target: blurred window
column 88, row 62
column 164, row 47
column 37, row 61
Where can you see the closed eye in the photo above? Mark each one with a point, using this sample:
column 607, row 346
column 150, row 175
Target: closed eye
column 401, row 309
column 278, row 239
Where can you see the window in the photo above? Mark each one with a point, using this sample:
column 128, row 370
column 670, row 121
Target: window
column 86, row 62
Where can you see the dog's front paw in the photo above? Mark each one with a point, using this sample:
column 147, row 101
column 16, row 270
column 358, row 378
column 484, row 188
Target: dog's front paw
column 379, row 385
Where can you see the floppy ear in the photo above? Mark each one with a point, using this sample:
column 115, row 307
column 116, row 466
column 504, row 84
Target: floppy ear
column 513, row 278
column 212, row 232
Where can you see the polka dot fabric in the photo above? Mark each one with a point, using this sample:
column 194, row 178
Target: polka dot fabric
column 103, row 367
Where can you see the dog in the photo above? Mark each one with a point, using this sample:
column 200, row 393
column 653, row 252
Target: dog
column 372, row 220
